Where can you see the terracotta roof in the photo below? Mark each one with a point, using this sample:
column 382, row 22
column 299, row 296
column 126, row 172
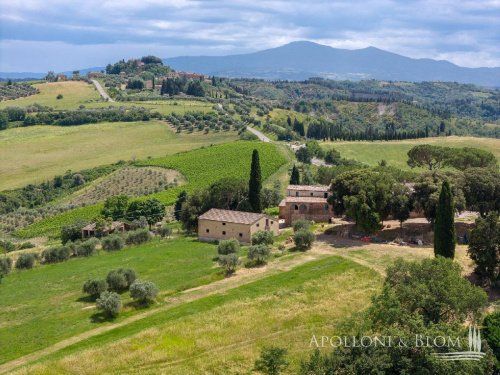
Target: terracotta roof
column 302, row 200
column 309, row 187
column 229, row 216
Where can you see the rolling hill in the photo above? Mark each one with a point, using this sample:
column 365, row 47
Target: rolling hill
column 301, row 60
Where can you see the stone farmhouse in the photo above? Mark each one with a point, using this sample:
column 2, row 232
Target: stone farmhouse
column 217, row 224
column 306, row 202
column 114, row 227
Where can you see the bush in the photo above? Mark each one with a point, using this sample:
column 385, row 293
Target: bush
column 87, row 248
column 120, row 280
column 94, row 287
column 226, row 247
column 229, row 262
column 59, row 96
column 165, row 232
column 491, row 332
column 111, row 243
column 303, row 239
column 26, row 261
column 138, row 236
column 110, row 303
column 5, row 265
column 72, row 232
column 7, row 246
column 259, row 253
column 26, row 245
column 301, row 224
column 143, row 291
column 56, row 254
column 264, row 237
column 272, row 361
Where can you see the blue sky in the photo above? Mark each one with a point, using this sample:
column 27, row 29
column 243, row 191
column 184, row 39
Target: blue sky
column 38, row 35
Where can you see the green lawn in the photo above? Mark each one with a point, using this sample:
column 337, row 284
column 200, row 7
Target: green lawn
column 223, row 333
column 42, row 306
column 200, row 167
column 395, row 152
column 36, row 153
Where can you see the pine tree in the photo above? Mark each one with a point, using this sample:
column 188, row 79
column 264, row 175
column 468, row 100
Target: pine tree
column 255, row 183
column 444, row 227
column 295, row 177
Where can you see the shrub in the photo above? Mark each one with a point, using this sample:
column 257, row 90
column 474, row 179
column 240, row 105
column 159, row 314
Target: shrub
column 72, row 232
column 272, row 361
column 165, row 232
column 301, row 224
column 87, row 248
column 26, row 261
column 94, row 287
column 56, row 254
column 264, row 237
column 259, row 253
column 59, row 96
column 303, row 239
column 115, row 242
column 120, row 279
column 26, row 245
column 138, row 236
column 7, row 246
column 226, row 247
column 143, row 291
column 110, row 303
column 229, row 262
column 5, row 266
column 491, row 333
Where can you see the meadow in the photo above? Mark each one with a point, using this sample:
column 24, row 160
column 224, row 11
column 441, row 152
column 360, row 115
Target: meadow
column 45, row 305
column 200, row 168
column 206, row 336
column 395, row 152
column 34, row 154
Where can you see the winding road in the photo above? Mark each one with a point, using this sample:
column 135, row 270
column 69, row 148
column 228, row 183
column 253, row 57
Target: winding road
column 103, row 93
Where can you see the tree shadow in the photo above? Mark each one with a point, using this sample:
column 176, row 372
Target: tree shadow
column 86, row 299
column 100, row 317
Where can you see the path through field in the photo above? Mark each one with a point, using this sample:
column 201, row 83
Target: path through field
column 103, row 93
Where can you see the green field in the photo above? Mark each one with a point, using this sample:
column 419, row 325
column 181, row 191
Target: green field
column 44, row 305
column 200, row 167
column 37, row 153
column 207, row 336
column 76, row 93
column 395, row 152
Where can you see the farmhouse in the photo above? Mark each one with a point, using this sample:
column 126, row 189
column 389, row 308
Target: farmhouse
column 306, row 202
column 115, row 226
column 217, row 224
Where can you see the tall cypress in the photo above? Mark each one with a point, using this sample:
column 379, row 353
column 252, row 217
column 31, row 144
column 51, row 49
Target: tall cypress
column 295, row 177
column 444, row 226
column 255, row 183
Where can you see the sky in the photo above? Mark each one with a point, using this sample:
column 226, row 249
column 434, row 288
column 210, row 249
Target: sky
column 60, row 35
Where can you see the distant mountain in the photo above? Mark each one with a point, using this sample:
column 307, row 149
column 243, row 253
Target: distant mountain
column 33, row 75
column 302, row 60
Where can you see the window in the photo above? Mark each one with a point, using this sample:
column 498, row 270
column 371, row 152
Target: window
column 208, row 230
column 257, row 224
column 296, row 207
column 223, row 223
column 224, row 232
column 272, row 222
column 241, row 234
column 326, row 195
column 326, row 207
column 312, row 194
column 296, row 193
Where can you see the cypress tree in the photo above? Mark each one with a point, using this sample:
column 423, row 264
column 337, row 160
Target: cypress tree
column 295, row 177
column 444, row 226
column 255, row 183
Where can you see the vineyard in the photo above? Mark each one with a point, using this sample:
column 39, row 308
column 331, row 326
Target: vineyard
column 129, row 181
column 200, row 167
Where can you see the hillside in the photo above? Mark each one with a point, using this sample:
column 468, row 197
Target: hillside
column 301, row 60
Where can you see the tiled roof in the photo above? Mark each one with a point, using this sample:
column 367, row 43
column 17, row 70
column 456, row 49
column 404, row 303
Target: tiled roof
column 309, row 187
column 303, row 200
column 229, row 216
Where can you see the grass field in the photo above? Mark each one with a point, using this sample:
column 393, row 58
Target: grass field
column 34, row 154
column 44, row 305
column 200, row 167
column 75, row 93
column 223, row 333
column 395, row 152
